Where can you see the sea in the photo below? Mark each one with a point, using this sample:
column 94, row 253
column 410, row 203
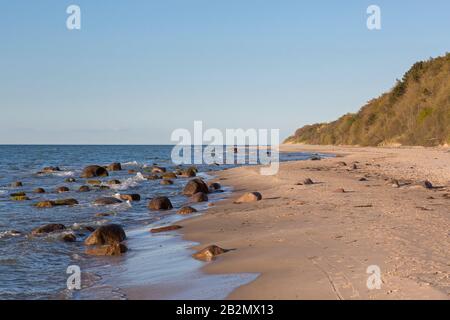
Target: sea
column 38, row 267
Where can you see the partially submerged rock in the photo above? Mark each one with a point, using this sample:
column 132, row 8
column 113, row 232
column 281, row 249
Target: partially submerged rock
column 194, row 186
column 165, row 229
column 69, row 237
column 62, row 189
column 116, row 166
column 156, row 169
column 249, row 197
column 199, row 197
column 166, row 182
column 169, row 175
column 48, row 228
column 94, row 182
column 115, row 249
column 107, row 234
column 106, row 201
column 94, row 171
column 160, row 203
column 130, row 197
column 186, row 210
column 214, row 186
column 114, row 182
column 56, row 203
column 19, row 198
column 39, row 190
column 84, row 189
column 209, row 253
column 16, row 184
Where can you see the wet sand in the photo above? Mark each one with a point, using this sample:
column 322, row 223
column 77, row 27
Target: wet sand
column 316, row 242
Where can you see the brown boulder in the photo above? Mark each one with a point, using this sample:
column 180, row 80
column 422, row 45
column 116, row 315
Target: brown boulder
column 209, row 253
column 94, row 171
column 107, row 234
column 114, row 182
column 214, row 186
column 169, row 175
column 160, row 203
column 189, row 172
column 130, row 197
column 249, row 197
column 156, row 169
column 19, row 198
column 186, row 210
column 69, row 237
column 165, row 229
column 94, row 182
column 16, row 184
column 62, row 189
column 84, row 189
column 166, row 182
column 48, row 228
column 39, row 190
column 115, row 249
column 199, row 197
column 55, row 203
column 194, row 186
column 114, row 167
column 105, row 201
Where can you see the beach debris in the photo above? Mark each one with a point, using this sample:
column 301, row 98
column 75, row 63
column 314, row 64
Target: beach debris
column 194, row 186
column 169, row 175
column 165, row 229
column 427, row 184
column 214, row 186
column 308, row 181
column 48, row 228
column 249, row 197
column 94, row 171
column 160, row 203
column 157, row 169
column 130, row 197
column 114, row 182
column 56, row 203
column 166, row 182
column 199, row 197
column 70, row 180
column 186, row 210
column 107, row 234
column 16, row 184
column 116, row 249
column 39, row 190
column 105, row 201
column 62, row 189
column 209, row 253
column 84, row 189
column 116, row 166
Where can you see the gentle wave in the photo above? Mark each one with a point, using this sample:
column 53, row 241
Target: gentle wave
column 9, row 233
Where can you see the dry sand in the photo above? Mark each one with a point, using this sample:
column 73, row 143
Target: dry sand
column 311, row 242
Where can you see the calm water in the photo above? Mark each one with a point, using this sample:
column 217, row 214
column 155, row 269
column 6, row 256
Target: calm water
column 35, row 267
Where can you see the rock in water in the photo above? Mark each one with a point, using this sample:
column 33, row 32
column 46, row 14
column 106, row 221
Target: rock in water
column 48, row 228
column 194, row 186
column 70, row 180
column 166, row 182
column 114, row 182
column 106, row 201
column 169, row 175
column 199, row 197
column 55, row 203
column 84, row 189
column 107, row 234
column 130, row 197
column 186, row 210
column 157, row 169
column 94, row 171
column 62, row 189
column 69, row 237
column 214, row 186
column 115, row 249
column 165, row 229
column 39, row 190
column 16, row 184
column 209, row 253
column 160, row 203
column 116, row 166
column 249, row 197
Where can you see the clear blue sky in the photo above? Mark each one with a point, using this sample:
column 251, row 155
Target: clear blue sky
column 137, row 70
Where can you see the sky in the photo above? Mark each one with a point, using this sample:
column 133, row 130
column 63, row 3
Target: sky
column 139, row 69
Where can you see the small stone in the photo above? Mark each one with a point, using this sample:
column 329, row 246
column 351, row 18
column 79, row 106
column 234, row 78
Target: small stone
column 186, row 210
column 308, row 181
column 209, row 253
column 249, row 197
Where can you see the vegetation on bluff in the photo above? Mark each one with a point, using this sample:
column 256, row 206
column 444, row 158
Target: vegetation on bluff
column 416, row 111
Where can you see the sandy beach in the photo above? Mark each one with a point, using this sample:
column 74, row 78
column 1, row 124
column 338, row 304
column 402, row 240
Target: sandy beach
column 317, row 241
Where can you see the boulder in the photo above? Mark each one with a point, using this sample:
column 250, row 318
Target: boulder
column 249, row 197
column 209, row 253
column 114, row 182
column 94, row 171
column 69, row 237
column 48, row 228
column 214, row 186
column 199, row 197
column 130, row 197
column 50, row 169
column 153, row 177
column 194, row 186
column 156, row 169
column 19, row 198
column 56, row 203
column 160, row 203
column 18, row 194
column 94, row 182
column 169, row 175
column 62, row 189
column 166, row 182
column 84, row 189
column 165, row 229
column 186, row 210
column 107, row 234
column 189, row 172
column 16, row 184
column 116, row 166
column 103, row 187
column 116, row 249
column 105, row 201
column 39, row 190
